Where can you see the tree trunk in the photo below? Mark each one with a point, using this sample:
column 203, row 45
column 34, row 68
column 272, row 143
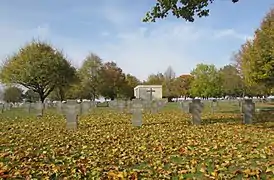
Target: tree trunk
column 42, row 97
column 93, row 96
column 61, row 93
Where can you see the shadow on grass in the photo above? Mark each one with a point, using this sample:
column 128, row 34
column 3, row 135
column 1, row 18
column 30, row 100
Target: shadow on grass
column 264, row 117
column 103, row 124
column 267, row 126
column 221, row 120
column 156, row 123
column 234, row 111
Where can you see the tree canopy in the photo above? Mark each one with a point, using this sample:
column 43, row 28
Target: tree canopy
column 39, row 67
column 182, row 85
column 231, row 81
column 113, row 80
column 255, row 59
column 206, row 81
column 31, row 96
column 128, row 88
column 186, row 9
column 13, row 94
column 89, row 75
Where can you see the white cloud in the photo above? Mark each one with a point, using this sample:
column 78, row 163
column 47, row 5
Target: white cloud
column 139, row 52
column 145, row 51
column 113, row 15
column 230, row 33
column 13, row 38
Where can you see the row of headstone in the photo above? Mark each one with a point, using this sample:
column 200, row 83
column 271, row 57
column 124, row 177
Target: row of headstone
column 196, row 106
column 125, row 106
column 38, row 107
column 136, row 107
column 71, row 109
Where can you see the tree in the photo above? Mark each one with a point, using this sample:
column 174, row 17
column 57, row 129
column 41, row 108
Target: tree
column 75, row 91
column 1, row 94
column 242, row 67
column 186, row 9
column 13, row 94
column 90, row 77
column 206, row 82
column 128, row 88
column 31, row 96
column 231, row 82
column 155, row 79
column 37, row 66
column 69, row 77
column 60, row 91
column 257, row 90
column 169, row 77
column 255, row 58
column 169, row 74
column 182, row 85
column 113, row 80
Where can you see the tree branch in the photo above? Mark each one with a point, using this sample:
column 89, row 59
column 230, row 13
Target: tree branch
column 47, row 92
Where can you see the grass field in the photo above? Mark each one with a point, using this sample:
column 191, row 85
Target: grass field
column 106, row 146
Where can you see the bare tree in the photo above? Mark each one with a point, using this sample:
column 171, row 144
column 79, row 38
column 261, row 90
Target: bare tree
column 169, row 73
column 169, row 77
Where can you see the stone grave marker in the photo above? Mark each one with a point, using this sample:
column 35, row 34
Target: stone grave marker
column 2, row 107
column 115, row 104
column 71, row 114
column 39, row 106
column 111, row 104
column 163, row 103
column 128, row 105
column 154, row 107
column 248, row 109
column 160, row 104
column 92, row 105
column 195, row 108
column 213, row 105
column 121, row 105
column 79, row 108
column 7, row 106
column 184, row 105
column 85, row 107
column 46, row 105
column 137, row 113
column 59, row 106
column 27, row 107
column 147, row 105
column 240, row 103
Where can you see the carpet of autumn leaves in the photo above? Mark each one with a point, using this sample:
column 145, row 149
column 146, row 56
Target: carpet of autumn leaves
column 106, row 146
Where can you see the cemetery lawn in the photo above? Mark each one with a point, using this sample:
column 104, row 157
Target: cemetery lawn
column 106, row 146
